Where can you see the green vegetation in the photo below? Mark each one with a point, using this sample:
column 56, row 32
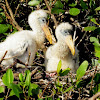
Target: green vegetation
column 85, row 16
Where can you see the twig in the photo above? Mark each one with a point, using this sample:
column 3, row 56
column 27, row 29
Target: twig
column 34, row 71
column 7, row 15
column 93, row 78
column 12, row 16
column 3, row 57
column 7, row 94
column 53, row 17
column 53, row 3
column 29, row 54
column 47, row 86
column 16, row 9
column 74, row 37
column 82, row 38
column 95, row 96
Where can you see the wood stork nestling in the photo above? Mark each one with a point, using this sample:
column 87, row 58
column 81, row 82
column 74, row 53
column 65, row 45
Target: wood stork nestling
column 63, row 50
column 23, row 43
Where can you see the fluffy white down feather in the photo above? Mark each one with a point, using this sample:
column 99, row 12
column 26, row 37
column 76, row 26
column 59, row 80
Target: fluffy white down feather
column 20, row 44
column 60, row 51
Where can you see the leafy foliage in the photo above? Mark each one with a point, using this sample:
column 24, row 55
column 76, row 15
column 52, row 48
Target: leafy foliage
column 21, row 87
column 74, row 11
column 84, row 14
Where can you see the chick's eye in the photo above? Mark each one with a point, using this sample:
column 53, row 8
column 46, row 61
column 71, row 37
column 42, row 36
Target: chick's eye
column 43, row 20
column 66, row 31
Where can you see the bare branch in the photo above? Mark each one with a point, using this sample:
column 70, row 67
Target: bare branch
column 3, row 57
column 15, row 24
column 95, row 96
column 53, row 17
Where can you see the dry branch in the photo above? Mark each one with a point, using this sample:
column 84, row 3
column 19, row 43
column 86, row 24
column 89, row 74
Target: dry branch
column 12, row 19
column 95, row 96
column 3, row 57
column 53, row 17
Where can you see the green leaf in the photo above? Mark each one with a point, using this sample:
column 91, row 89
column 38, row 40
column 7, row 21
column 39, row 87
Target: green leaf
column 81, row 70
column 8, row 77
column 96, row 88
column 95, row 62
column 4, row 28
column 11, row 93
column 2, row 89
column 1, row 20
column 97, row 78
column 21, row 77
column 1, row 9
column 95, row 40
column 74, row 11
column 98, row 8
column 73, row 4
column 39, row 99
column 59, row 67
column 97, row 48
column 64, row 72
column 94, row 21
column 57, row 11
column 58, row 4
column 16, row 89
column 3, row 14
column 33, row 2
column 68, row 89
column 83, row 5
column 28, row 77
column 2, row 98
column 58, row 98
column 97, row 54
column 33, row 89
column 90, row 28
column 66, row 1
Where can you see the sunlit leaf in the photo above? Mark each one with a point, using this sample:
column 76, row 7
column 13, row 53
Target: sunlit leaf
column 16, row 89
column 33, row 2
column 97, row 54
column 8, row 77
column 81, row 70
column 68, row 89
column 2, row 89
column 59, row 67
column 73, row 4
column 2, row 14
column 90, row 28
column 28, row 77
column 21, row 77
column 94, row 21
column 98, row 8
column 11, row 93
column 74, row 11
column 1, row 9
column 2, row 98
column 64, row 72
column 95, row 41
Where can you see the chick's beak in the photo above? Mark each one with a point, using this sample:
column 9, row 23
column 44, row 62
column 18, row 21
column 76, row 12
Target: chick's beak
column 47, row 33
column 70, row 44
